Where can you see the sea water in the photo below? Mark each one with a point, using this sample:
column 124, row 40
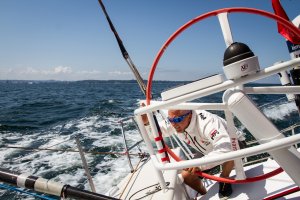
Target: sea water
column 51, row 114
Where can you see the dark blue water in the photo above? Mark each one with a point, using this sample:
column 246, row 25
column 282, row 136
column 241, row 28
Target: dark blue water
column 51, row 114
column 41, row 105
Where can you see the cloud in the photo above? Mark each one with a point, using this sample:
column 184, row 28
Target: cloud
column 32, row 71
column 93, row 72
column 59, row 70
column 27, row 71
column 62, row 73
column 56, row 73
column 62, row 70
column 120, row 73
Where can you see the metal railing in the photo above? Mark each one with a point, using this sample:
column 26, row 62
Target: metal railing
column 270, row 143
column 127, row 149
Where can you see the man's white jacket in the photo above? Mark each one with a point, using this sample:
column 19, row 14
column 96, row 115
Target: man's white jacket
column 206, row 133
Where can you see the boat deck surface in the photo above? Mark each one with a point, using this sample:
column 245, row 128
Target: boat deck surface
column 143, row 185
column 259, row 189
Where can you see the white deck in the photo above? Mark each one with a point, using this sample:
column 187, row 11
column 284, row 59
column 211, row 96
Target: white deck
column 142, row 181
column 259, row 189
column 146, row 177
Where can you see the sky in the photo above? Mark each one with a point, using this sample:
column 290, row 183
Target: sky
column 71, row 39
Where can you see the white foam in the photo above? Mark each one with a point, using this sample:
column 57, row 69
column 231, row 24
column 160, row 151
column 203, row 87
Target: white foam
column 45, row 162
column 20, row 141
column 71, row 178
column 58, row 142
column 279, row 112
column 119, row 168
column 86, row 122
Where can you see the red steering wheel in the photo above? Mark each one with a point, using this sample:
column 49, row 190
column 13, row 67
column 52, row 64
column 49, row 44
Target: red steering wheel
column 282, row 21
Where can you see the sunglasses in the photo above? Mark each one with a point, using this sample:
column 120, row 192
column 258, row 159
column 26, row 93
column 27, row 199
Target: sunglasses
column 179, row 118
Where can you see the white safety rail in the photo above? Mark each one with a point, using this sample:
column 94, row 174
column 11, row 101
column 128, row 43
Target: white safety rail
column 270, row 146
column 269, row 71
column 275, row 143
column 285, row 131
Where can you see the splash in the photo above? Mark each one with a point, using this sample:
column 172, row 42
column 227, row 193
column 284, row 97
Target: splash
column 280, row 111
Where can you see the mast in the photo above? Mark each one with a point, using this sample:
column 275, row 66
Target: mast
column 125, row 54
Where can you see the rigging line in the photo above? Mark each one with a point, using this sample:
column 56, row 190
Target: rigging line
column 73, row 151
column 157, row 189
column 30, row 150
column 283, row 193
column 58, row 143
column 125, row 54
column 130, row 177
column 272, row 102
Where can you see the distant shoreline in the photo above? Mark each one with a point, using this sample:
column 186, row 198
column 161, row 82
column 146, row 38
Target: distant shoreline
column 105, row 81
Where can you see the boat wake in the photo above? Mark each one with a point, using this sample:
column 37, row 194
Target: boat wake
column 280, row 111
column 95, row 135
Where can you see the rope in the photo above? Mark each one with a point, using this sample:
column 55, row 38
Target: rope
column 157, row 189
column 281, row 194
column 124, row 52
column 12, row 188
column 73, row 151
column 59, row 143
column 247, row 180
column 130, row 177
column 226, row 180
column 266, row 104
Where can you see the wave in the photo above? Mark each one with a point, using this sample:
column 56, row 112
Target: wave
column 93, row 115
column 279, row 112
column 66, row 167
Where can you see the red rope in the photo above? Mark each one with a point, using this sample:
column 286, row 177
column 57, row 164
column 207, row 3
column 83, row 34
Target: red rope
column 162, row 150
column 227, row 180
column 159, row 138
column 281, row 194
column 247, row 180
column 165, row 159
